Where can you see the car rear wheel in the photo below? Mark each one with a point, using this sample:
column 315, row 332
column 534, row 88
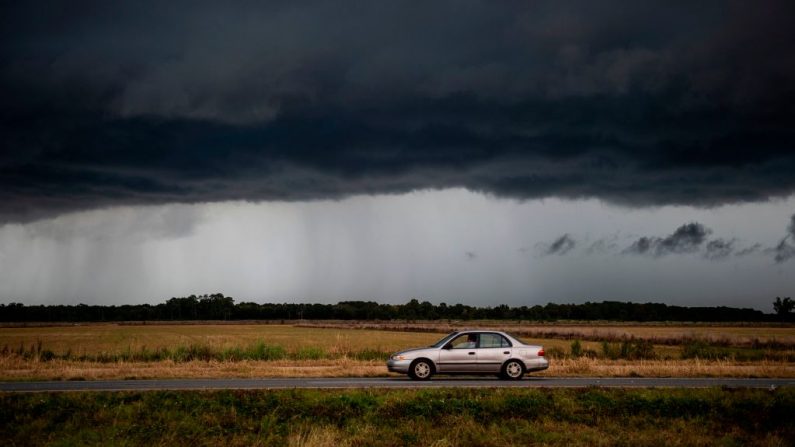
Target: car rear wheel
column 513, row 370
column 421, row 370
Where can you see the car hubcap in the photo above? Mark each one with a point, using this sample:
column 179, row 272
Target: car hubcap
column 422, row 370
column 514, row 369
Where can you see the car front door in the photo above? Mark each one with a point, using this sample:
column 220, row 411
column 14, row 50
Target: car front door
column 459, row 354
column 493, row 350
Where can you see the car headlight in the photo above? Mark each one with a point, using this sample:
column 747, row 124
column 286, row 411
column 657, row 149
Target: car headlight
column 399, row 357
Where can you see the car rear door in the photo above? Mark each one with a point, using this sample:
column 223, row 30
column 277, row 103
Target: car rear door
column 493, row 350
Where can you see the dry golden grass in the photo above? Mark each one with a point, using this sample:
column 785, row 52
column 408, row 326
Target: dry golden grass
column 317, row 436
column 111, row 338
column 18, row 369
column 588, row 367
column 94, row 339
column 658, row 333
column 337, row 341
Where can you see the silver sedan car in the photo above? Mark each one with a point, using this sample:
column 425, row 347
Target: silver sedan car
column 471, row 352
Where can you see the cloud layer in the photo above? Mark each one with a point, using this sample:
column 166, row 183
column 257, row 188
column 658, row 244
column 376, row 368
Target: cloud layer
column 107, row 104
column 559, row 246
column 687, row 239
column 785, row 250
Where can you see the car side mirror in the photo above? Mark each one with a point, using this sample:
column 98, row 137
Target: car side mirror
column 447, row 346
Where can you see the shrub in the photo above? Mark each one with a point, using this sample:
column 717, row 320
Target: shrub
column 629, row 349
column 261, row 351
column 698, row 349
column 576, row 349
column 310, row 353
column 370, row 354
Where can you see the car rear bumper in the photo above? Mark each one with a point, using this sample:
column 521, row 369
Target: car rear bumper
column 539, row 366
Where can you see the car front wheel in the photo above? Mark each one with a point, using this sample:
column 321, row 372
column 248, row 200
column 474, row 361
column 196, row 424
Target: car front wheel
column 513, row 370
column 421, row 370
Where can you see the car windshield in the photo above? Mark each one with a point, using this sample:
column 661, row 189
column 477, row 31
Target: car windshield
column 444, row 340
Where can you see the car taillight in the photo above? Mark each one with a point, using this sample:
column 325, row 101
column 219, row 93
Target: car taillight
column 541, row 352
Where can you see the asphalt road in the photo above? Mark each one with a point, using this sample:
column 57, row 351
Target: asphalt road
column 388, row 382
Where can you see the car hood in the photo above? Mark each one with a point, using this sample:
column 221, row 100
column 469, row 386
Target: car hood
column 413, row 350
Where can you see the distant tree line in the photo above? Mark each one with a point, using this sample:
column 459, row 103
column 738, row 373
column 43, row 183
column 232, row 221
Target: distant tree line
column 220, row 307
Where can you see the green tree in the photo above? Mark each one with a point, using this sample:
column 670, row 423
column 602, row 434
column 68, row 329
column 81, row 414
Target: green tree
column 784, row 307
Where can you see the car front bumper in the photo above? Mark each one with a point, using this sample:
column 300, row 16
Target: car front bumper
column 398, row 366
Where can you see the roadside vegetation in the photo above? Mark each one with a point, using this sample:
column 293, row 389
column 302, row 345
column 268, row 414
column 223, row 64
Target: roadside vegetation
column 483, row 417
column 628, row 349
column 103, row 351
column 181, row 354
column 757, row 335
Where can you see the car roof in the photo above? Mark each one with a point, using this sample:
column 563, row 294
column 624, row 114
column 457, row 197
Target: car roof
column 490, row 331
column 481, row 331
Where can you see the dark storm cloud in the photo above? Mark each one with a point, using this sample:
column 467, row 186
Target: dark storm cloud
column 785, row 250
column 688, row 238
column 602, row 246
column 692, row 238
column 791, row 227
column 559, row 246
column 718, row 249
column 105, row 103
column 756, row 248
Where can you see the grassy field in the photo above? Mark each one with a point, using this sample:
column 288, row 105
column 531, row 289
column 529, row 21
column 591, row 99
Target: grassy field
column 94, row 339
column 348, row 337
column 98, row 351
column 658, row 333
column 494, row 417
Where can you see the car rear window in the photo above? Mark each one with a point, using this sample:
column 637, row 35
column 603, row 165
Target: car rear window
column 493, row 341
column 517, row 338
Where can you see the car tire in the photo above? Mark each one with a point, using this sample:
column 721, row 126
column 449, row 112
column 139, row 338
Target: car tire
column 513, row 370
column 421, row 369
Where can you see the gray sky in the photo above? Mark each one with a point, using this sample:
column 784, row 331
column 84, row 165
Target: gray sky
column 459, row 150
column 450, row 245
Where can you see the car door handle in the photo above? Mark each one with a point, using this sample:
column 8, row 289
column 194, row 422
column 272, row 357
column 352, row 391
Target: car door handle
column 506, row 352
column 471, row 353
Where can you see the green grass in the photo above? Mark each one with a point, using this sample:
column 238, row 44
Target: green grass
column 402, row 417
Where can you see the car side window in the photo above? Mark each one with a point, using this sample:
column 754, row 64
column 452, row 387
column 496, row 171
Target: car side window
column 465, row 341
column 493, row 341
